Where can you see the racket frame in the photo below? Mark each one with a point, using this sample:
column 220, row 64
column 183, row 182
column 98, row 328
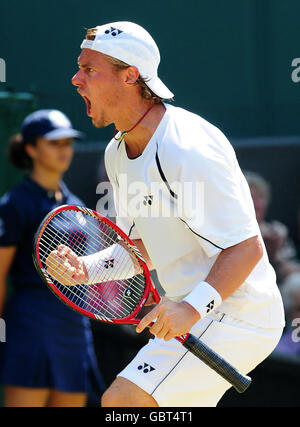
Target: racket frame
column 149, row 286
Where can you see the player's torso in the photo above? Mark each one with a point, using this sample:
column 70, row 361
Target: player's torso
column 152, row 203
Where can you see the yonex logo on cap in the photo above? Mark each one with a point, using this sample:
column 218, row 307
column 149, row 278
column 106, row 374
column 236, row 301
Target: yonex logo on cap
column 113, row 31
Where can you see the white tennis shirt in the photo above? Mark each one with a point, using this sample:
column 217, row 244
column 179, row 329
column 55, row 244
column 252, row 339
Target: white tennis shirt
column 187, row 199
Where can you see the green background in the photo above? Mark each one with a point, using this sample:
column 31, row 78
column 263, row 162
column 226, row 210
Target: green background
column 229, row 60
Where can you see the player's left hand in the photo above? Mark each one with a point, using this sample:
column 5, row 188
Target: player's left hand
column 172, row 319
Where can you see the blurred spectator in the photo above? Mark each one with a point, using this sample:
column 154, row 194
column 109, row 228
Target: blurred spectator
column 290, row 340
column 281, row 250
column 48, row 358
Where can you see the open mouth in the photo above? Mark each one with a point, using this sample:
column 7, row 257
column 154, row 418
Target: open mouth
column 88, row 105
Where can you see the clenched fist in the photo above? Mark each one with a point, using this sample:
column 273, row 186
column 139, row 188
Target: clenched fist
column 66, row 267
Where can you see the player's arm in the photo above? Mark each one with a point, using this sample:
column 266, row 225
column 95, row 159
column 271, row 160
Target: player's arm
column 234, row 265
column 228, row 273
column 69, row 269
column 6, row 255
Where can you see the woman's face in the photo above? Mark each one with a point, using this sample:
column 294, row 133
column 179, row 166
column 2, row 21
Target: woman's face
column 52, row 155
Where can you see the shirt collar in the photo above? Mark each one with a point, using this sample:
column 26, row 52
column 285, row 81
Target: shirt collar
column 49, row 194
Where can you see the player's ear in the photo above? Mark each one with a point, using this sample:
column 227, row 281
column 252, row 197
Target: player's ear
column 132, row 74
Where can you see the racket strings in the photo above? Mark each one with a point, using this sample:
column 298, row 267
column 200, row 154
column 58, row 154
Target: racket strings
column 86, row 235
column 94, row 244
column 113, row 292
column 80, row 250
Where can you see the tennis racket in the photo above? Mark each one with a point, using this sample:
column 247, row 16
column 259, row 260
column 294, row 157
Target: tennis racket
column 85, row 232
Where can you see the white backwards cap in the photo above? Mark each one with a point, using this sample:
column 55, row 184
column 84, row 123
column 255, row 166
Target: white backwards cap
column 133, row 45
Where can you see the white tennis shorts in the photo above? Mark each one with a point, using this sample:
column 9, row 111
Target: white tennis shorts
column 175, row 377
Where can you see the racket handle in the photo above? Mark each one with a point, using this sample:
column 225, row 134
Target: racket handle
column 239, row 381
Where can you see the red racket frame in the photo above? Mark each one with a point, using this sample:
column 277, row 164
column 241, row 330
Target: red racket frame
column 149, row 287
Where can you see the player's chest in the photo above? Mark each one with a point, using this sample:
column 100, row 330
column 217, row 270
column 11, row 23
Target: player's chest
column 143, row 191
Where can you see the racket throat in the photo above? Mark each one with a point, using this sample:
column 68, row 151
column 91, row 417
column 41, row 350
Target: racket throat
column 183, row 338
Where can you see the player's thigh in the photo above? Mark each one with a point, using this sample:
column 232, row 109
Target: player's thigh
column 66, row 399
column 174, row 377
column 124, row 393
column 15, row 396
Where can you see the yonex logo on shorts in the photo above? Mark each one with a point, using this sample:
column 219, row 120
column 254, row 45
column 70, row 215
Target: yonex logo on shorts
column 210, row 306
column 146, row 368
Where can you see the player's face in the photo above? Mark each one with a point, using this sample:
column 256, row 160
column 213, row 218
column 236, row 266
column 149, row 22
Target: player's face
column 53, row 156
column 100, row 85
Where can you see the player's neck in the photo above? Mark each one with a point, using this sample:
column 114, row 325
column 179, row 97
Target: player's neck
column 137, row 139
column 49, row 180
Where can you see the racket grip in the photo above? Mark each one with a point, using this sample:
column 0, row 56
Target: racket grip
column 239, row 381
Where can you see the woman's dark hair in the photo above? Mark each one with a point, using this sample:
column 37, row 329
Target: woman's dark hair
column 17, row 153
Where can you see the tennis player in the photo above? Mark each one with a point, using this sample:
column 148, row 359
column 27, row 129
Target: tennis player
column 211, row 261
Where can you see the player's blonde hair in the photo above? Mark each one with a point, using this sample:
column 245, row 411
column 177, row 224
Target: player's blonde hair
column 146, row 92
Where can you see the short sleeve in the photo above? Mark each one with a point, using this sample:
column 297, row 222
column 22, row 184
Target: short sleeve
column 218, row 207
column 123, row 221
column 10, row 224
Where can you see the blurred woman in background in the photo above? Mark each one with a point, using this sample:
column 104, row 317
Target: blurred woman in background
column 48, row 353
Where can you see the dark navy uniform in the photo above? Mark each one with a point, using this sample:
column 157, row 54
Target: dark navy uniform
column 48, row 345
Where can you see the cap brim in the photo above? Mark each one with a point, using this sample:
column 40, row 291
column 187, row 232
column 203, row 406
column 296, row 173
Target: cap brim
column 159, row 88
column 64, row 133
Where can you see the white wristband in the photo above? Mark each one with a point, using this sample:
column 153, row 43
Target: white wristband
column 204, row 298
column 113, row 263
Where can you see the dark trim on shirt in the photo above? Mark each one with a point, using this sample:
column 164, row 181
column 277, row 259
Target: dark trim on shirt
column 163, row 177
column 209, row 241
